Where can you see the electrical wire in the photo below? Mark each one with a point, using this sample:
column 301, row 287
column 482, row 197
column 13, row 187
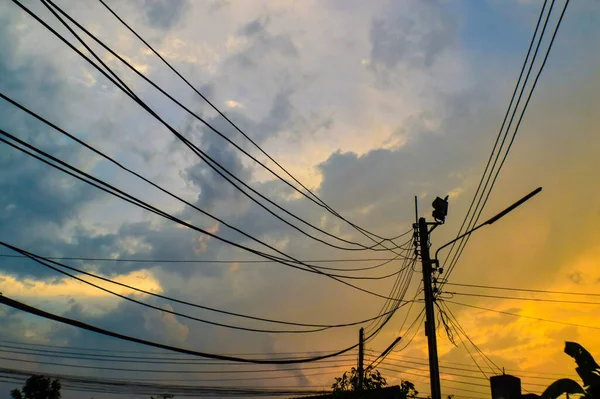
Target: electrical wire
column 123, row 359
column 399, row 288
column 122, row 386
column 163, row 371
column 118, row 164
column 453, row 320
column 390, row 360
column 42, row 260
column 390, row 348
column 46, row 264
column 549, row 48
column 499, row 135
column 402, row 358
column 398, row 291
column 135, row 201
column 75, row 323
column 203, row 155
column 217, row 261
column 522, row 316
column 101, row 352
column 523, row 289
column 522, row 299
column 235, row 126
column 383, row 356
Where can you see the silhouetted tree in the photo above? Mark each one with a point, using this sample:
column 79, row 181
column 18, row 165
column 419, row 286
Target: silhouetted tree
column 588, row 370
column 407, row 390
column 38, row 387
column 349, row 380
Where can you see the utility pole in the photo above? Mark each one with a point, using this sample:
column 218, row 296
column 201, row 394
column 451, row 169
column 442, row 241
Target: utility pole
column 434, row 370
column 361, row 358
column 440, row 211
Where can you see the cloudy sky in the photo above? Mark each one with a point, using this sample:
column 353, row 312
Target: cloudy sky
column 367, row 104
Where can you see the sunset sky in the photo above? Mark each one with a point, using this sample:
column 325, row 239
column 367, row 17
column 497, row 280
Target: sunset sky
column 368, row 104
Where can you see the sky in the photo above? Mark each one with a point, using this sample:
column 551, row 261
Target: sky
column 368, row 104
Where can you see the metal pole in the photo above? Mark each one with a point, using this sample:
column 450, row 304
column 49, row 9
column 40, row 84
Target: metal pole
column 361, row 357
column 434, row 371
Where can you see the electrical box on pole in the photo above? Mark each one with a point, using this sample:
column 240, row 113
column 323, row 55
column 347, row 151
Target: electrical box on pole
column 440, row 209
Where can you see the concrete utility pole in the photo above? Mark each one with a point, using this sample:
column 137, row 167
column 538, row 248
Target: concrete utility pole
column 361, row 359
column 434, row 370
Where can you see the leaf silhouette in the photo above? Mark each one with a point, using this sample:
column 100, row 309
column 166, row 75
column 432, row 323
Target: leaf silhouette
column 582, row 357
column 561, row 387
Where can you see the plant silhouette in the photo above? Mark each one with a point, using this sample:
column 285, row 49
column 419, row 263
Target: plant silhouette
column 349, row 381
column 588, row 371
column 373, row 379
column 38, row 387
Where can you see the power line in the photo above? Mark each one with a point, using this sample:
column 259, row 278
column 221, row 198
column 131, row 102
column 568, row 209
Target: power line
column 75, row 323
column 541, row 68
column 46, row 263
column 470, row 354
column 451, row 374
column 471, row 369
column 523, row 289
column 83, row 143
column 453, row 320
column 523, row 299
column 385, row 354
column 166, row 310
column 163, row 371
column 235, row 126
column 498, row 136
column 112, row 385
column 522, row 316
column 203, row 155
column 144, row 106
column 100, row 352
column 481, row 353
column 146, row 360
column 423, row 362
column 398, row 291
column 135, row 201
column 215, row 261
column 448, row 380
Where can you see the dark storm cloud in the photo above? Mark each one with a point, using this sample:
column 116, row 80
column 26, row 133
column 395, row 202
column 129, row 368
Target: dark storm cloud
column 214, row 189
column 164, row 14
column 262, row 44
column 35, row 199
column 254, row 27
column 414, row 38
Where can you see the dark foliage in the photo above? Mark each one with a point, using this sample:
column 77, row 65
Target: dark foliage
column 38, row 387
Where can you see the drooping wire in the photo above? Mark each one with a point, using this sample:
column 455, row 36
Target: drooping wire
column 458, row 333
column 464, row 241
column 522, row 316
column 522, row 299
column 414, row 324
column 127, row 387
column 75, row 323
column 113, row 161
column 521, row 116
column 236, row 127
column 48, row 263
column 212, row 163
column 135, row 201
column 397, row 291
column 523, row 289
column 499, row 135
